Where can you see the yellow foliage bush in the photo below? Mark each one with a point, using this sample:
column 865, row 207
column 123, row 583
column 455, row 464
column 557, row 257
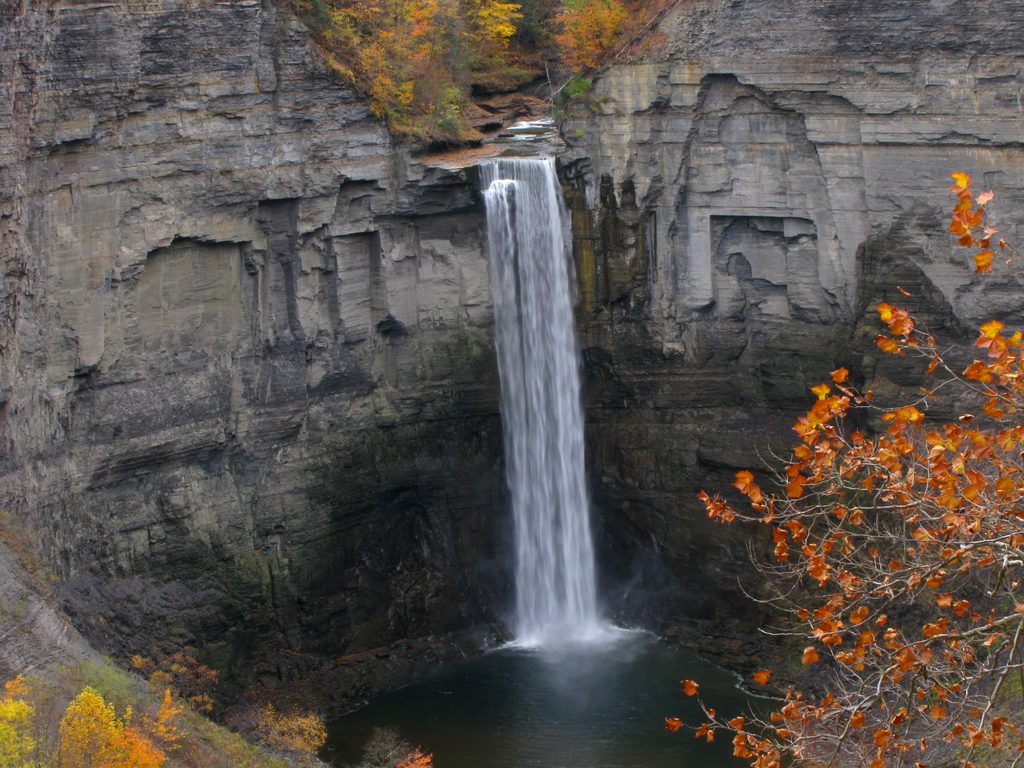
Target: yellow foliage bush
column 302, row 732
column 587, row 30
column 88, row 725
column 162, row 726
column 91, row 735
column 16, row 716
column 190, row 679
column 40, row 729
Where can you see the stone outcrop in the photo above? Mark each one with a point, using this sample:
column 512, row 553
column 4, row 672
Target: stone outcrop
column 743, row 192
column 248, row 383
column 34, row 633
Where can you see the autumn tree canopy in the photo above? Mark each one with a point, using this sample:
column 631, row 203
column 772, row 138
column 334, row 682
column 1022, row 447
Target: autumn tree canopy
column 92, row 735
column 41, row 728
column 417, row 60
column 897, row 557
column 587, row 29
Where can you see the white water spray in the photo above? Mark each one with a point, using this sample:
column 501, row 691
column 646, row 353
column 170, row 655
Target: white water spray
column 538, row 362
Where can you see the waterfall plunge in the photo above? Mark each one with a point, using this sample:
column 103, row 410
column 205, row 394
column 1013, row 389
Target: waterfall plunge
column 538, row 361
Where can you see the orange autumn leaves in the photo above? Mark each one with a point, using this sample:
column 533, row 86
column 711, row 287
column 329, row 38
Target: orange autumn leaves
column 37, row 730
column 692, row 688
column 587, row 29
column 419, row 60
column 415, row 58
column 93, row 736
column 17, row 737
column 895, row 548
column 90, row 734
column 418, row 759
column 967, row 220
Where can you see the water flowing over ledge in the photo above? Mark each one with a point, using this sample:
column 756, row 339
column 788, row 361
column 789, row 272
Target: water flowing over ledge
column 538, row 362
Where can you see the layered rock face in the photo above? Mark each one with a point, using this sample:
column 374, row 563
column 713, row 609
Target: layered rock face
column 249, row 388
column 744, row 192
column 248, row 385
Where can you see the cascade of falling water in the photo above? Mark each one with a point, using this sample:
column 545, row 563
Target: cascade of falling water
column 538, row 362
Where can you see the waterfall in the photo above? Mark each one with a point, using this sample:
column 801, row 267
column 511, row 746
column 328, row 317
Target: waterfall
column 538, row 362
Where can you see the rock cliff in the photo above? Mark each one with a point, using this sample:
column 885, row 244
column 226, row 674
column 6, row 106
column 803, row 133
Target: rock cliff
column 744, row 188
column 248, row 396
column 248, row 383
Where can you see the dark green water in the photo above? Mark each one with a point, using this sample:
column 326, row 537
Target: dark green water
column 590, row 707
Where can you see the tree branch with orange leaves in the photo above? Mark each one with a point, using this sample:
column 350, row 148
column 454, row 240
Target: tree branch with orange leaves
column 897, row 557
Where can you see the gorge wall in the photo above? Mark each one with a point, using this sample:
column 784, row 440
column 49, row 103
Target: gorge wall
column 248, row 381
column 745, row 188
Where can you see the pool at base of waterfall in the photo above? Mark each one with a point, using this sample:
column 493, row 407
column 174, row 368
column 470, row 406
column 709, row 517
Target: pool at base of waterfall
column 579, row 706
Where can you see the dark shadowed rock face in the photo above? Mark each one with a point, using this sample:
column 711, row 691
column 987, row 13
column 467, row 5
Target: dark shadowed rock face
column 248, row 383
column 742, row 196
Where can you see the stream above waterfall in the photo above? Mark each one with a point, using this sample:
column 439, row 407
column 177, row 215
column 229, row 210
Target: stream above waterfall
column 582, row 706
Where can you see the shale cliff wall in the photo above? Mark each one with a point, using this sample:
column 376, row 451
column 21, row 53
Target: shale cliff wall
column 248, row 383
column 745, row 188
